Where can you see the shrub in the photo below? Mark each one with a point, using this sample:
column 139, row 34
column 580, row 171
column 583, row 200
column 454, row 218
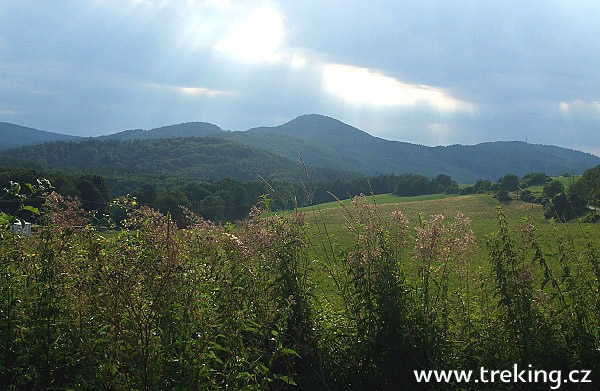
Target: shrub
column 553, row 188
column 502, row 195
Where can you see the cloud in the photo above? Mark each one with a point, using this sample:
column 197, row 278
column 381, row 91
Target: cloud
column 218, row 4
column 6, row 110
column 363, row 86
column 188, row 90
column 255, row 39
column 567, row 108
column 297, row 61
column 427, row 72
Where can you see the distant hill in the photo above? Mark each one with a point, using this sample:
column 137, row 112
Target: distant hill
column 333, row 145
column 12, row 135
column 327, row 142
column 193, row 157
column 188, row 129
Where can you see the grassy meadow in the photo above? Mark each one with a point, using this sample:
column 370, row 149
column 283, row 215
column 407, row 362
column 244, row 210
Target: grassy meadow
column 347, row 296
column 330, row 220
column 482, row 209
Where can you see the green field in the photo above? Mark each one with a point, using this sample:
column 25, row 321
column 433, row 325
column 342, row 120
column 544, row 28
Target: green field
column 379, row 199
column 327, row 225
column 480, row 208
column 566, row 181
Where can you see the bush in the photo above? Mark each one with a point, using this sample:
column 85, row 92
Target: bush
column 553, row 188
column 509, row 182
column 502, row 195
column 534, row 179
column 527, row 196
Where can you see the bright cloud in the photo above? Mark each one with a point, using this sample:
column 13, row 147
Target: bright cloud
column 200, row 91
column 364, row 86
column 255, row 39
column 219, row 4
column 297, row 61
column 190, row 91
column 579, row 105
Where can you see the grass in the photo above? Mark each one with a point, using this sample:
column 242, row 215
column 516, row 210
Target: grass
column 566, row 181
column 480, row 208
column 381, row 199
column 329, row 220
column 158, row 307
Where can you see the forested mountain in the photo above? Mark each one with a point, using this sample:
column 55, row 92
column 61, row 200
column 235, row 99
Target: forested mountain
column 188, row 129
column 194, row 157
column 325, row 141
column 322, row 142
column 494, row 159
column 12, row 135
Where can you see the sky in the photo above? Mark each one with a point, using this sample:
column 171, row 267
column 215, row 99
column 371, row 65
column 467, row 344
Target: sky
column 428, row 72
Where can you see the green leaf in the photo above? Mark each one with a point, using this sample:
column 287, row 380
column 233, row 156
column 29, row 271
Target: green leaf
column 32, row 209
column 5, row 218
column 290, row 352
column 286, row 379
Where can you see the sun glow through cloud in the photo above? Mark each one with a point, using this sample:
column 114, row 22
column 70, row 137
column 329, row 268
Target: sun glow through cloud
column 256, row 39
column 363, row 86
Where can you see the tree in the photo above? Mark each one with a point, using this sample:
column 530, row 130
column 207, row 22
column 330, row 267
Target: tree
column 588, row 186
column 553, row 188
column 412, row 185
column 482, row 186
column 509, row 182
column 171, row 203
column 502, row 195
column 527, row 196
column 146, row 194
column 564, row 206
column 91, row 197
column 447, row 183
column 534, row 179
column 212, row 208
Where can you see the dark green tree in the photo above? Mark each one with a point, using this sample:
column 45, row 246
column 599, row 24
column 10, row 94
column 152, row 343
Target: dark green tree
column 509, row 182
column 91, row 197
column 553, row 188
column 171, row 203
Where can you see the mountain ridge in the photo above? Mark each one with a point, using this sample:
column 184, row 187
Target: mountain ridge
column 13, row 136
column 185, row 129
column 326, row 142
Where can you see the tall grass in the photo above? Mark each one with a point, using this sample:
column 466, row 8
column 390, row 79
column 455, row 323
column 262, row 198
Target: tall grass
column 197, row 306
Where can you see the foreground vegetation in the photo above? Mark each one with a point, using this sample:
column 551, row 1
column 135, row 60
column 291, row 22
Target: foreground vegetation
column 194, row 305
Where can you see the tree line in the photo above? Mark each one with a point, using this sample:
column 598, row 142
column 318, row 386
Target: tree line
column 230, row 200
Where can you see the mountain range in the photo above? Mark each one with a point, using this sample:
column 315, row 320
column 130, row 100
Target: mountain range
column 328, row 146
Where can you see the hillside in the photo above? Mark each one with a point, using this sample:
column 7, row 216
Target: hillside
column 12, row 135
column 331, row 144
column 325, row 141
column 197, row 157
column 188, row 129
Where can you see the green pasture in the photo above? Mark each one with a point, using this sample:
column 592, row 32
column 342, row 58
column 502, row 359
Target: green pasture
column 326, row 226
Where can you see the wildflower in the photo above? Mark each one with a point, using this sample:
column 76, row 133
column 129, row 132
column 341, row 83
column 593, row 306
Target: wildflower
column 65, row 212
column 528, row 230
